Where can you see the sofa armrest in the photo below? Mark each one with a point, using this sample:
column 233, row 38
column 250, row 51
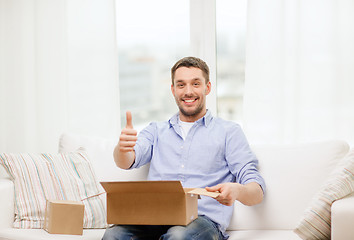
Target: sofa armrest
column 342, row 215
column 6, row 203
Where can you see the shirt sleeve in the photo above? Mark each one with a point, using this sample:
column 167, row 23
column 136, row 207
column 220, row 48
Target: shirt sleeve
column 144, row 146
column 242, row 162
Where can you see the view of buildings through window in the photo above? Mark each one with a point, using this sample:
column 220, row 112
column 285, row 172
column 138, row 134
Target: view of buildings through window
column 149, row 43
column 230, row 57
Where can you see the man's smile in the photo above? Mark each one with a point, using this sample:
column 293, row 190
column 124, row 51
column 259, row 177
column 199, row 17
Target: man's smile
column 189, row 101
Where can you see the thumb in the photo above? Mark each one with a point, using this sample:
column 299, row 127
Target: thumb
column 129, row 120
column 213, row 188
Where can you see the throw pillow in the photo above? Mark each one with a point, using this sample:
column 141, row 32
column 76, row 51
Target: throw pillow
column 316, row 223
column 41, row 177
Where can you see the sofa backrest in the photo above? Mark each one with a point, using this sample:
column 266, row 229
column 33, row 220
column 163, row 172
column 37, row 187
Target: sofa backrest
column 293, row 174
column 100, row 152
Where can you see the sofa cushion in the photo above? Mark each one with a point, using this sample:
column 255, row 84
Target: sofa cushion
column 293, row 174
column 263, row 235
column 3, row 173
column 316, row 223
column 40, row 234
column 6, row 203
column 38, row 177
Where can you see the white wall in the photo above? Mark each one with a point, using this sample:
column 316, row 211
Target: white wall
column 58, row 72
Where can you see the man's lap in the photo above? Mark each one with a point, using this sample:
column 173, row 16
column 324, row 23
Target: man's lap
column 200, row 229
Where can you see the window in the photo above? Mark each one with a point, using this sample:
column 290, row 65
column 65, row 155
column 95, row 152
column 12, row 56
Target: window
column 149, row 42
column 230, row 54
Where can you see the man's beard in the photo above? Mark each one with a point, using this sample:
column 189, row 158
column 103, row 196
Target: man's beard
column 196, row 112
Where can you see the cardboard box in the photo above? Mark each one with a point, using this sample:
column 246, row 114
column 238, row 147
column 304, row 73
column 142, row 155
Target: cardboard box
column 151, row 203
column 64, row 217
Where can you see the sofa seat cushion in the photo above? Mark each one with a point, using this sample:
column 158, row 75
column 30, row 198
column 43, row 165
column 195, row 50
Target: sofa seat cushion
column 263, row 235
column 96, row 234
column 40, row 234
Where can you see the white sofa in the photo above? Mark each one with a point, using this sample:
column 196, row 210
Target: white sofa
column 293, row 174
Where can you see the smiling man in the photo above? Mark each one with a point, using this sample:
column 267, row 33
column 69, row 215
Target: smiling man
column 197, row 149
column 190, row 86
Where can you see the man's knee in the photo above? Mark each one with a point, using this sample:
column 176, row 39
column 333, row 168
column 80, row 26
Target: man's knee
column 201, row 229
column 176, row 233
column 116, row 233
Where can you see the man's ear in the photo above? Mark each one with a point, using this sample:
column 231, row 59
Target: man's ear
column 208, row 88
column 173, row 89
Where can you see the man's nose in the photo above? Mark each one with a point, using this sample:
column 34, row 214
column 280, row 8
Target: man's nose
column 188, row 89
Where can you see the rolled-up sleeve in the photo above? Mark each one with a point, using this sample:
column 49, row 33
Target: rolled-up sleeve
column 144, row 146
column 242, row 162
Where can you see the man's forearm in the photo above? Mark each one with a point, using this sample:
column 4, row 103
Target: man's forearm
column 250, row 194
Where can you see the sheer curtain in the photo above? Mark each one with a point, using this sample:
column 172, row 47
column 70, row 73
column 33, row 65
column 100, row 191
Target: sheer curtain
column 58, row 72
column 299, row 71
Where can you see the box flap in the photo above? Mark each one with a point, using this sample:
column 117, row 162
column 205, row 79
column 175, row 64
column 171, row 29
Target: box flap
column 204, row 192
column 143, row 187
column 66, row 202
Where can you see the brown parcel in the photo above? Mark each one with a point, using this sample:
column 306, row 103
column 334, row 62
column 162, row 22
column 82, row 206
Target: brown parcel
column 64, row 217
column 151, row 203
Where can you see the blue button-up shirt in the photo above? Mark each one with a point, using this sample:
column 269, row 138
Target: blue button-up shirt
column 214, row 151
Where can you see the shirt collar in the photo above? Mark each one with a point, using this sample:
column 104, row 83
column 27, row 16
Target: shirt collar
column 205, row 120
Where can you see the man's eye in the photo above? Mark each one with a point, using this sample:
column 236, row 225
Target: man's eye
column 196, row 84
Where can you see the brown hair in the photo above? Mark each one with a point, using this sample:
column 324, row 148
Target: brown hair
column 191, row 62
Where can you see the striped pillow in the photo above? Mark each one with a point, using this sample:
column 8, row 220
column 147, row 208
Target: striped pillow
column 316, row 223
column 38, row 177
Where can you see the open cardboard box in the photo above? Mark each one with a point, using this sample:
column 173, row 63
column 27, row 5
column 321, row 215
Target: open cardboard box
column 152, row 202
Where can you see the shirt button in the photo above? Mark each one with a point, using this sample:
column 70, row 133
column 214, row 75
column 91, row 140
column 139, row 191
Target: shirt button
column 182, row 166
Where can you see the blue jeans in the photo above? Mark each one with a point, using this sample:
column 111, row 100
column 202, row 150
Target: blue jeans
column 201, row 228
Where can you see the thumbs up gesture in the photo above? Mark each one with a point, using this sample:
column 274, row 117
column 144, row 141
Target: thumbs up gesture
column 128, row 135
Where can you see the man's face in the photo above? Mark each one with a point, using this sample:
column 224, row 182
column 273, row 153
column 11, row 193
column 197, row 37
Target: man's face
column 190, row 92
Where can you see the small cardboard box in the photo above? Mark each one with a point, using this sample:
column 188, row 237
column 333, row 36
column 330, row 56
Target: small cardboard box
column 150, row 203
column 64, row 217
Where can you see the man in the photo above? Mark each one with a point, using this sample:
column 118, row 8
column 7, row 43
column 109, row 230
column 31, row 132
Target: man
column 197, row 149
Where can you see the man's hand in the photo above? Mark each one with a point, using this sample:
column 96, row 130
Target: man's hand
column 124, row 155
column 228, row 193
column 128, row 136
column 248, row 194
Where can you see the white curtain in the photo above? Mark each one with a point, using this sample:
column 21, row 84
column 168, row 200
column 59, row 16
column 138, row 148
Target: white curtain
column 58, row 72
column 299, row 71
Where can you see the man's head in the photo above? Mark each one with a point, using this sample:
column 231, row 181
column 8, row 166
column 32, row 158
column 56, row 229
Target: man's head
column 190, row 62
column 190, row 86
